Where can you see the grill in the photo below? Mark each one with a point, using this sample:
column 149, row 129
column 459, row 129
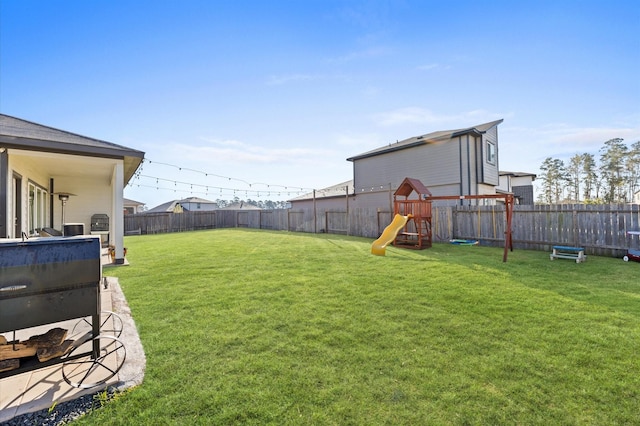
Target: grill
column 99, row 222
column 100, row 226
column 48, row 280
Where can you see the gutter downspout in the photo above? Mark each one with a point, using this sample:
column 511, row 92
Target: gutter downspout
column 346, row 193
column 460, row 167
column 315, row 219
column 469, row 169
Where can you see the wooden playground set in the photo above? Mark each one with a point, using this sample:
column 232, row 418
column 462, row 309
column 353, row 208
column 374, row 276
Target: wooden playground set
column 411, row 227
column 412, row 224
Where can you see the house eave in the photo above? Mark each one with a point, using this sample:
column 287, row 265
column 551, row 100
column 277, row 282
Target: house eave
column 66, row 148
column 131, row 158
column 434, row 137
column 392, row 148
column 473, row 131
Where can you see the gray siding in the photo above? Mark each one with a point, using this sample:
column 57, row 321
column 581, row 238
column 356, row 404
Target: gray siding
column 433, row 164
column 490, row 172
column 467, row 165
column 524, row 194
column 377, row 200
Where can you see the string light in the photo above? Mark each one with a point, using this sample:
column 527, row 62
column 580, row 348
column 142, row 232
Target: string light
column 229, row 178
column 190, row 186
column 206, row 188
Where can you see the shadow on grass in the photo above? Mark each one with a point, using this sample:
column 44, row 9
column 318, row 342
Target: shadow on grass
column 603, row 281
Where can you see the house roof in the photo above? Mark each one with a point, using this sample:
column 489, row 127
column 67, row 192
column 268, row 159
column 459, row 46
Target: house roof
column 196, row 200
column 241, row 205
column 518, row 174
column 169, row 206
column 337, row 190
column 21, row 134
column 129, row 202
column 439, row 136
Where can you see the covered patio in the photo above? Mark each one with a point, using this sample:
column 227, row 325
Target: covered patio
column 51, row 178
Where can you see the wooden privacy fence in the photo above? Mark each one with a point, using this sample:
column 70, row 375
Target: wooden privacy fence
column 600, row 229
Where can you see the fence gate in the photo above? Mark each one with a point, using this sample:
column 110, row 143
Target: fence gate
column 336, row 223
column 266, row 219
column 295, row 221
column 242, row 220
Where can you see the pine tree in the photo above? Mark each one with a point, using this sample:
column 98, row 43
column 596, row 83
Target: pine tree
column 590, row 171
column 574, row 174
column 554, row 180
column 632, row 166
column 612, row 169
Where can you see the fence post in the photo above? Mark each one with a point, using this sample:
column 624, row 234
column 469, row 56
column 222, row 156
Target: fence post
column 315, row 218
column 346, row 192
column 574, row 218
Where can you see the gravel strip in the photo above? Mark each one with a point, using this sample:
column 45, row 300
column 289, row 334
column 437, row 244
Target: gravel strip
column 66, row 412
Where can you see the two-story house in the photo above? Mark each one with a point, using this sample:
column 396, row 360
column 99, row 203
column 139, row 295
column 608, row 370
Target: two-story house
column 448, row 162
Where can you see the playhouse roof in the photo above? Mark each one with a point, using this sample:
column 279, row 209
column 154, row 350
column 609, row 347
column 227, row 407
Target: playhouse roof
column 410, row 185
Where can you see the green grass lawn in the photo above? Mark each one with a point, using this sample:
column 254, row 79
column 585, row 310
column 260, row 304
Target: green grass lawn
column 258, row 327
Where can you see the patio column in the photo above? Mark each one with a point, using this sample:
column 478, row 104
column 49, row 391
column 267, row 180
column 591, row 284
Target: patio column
column 117, row 215
column 4, row 192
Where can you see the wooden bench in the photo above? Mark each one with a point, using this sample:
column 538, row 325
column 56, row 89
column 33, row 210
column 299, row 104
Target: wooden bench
column 565, row 252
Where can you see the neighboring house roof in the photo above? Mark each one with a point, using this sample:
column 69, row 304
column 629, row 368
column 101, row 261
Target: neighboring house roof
column 128, row 202
column 22, row 134
column 438, row 136
column 195, row 203
column 170, row 206
column 240, row 206
column 519, row 174
column 196, row 200
column 337, row 190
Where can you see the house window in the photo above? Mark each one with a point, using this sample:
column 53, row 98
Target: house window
column 491, row 153
column 37, row 208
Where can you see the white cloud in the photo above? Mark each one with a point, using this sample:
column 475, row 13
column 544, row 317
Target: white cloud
column 370, row 92
column 370, row 52
column 563, row 137
column 232, row 151
column 360, row 140
column 277, row 80
column 525, row 148
column 409, row 115
column 432, row 67
column 417, row 115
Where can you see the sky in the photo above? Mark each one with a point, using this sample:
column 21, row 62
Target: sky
column 266, row 100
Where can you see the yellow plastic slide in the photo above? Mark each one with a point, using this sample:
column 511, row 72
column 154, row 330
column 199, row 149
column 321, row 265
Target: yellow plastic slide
column 379, row 246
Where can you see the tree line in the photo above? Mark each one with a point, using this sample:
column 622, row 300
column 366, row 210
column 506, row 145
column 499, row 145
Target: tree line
column 614, row 177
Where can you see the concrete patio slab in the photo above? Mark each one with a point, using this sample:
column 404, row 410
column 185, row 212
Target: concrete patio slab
column 42, row 388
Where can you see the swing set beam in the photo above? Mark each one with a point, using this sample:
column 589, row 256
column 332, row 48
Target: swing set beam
column 508, row 204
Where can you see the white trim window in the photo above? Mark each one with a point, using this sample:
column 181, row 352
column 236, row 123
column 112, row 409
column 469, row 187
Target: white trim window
column 491, row 152
column 38, row 197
